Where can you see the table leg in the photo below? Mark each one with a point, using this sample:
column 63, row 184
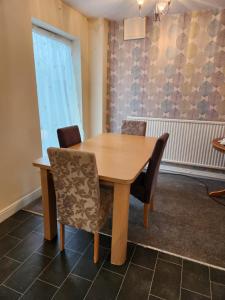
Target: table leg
column 217, row 193
column 120, row 223
column 49, row 205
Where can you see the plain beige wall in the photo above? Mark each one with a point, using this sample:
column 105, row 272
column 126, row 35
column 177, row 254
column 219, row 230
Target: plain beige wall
column 98, row 44
column 19, row 121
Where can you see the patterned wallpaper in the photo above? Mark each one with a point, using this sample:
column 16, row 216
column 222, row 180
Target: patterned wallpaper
column 177, row 71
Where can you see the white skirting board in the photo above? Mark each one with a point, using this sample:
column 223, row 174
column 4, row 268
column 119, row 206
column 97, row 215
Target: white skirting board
column 192, row 172
column 19, row 204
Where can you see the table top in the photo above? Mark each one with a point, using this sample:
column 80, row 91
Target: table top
column 120, row 157
column 217, row 145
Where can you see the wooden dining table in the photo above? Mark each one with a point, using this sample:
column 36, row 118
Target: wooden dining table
column 120, row 159
column 219, row 147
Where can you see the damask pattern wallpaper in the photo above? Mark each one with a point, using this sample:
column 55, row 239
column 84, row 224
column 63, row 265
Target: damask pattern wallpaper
column 177, row 71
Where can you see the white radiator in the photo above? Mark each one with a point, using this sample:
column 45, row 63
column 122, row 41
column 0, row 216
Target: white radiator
column 189, row 142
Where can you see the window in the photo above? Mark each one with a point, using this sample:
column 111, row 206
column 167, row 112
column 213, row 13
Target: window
column 57, row 85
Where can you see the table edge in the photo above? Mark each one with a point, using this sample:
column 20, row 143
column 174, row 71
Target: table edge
column 45, row 166
column 217, row 145
column 104, row 178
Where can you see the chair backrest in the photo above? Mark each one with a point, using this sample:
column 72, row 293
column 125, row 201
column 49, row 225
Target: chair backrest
column 133, row 127
column 77, row 189
column 153, row 166
column 68, row 136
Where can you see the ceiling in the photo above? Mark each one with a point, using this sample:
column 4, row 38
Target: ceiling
column 120, row 9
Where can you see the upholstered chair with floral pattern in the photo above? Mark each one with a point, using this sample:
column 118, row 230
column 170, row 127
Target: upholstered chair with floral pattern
column 133, row 127
column 68, row 136
column 143, row 188
column 81, row 202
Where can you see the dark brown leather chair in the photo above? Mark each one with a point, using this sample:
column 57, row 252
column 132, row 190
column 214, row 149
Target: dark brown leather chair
column 143, row 188
column 68, row 136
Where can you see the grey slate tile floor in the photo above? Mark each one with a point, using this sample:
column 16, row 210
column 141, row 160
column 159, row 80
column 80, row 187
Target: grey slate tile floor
column 31, row 268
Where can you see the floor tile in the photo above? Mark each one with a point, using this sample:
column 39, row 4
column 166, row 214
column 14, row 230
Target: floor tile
column 25, row 237
column 7, row 243
column 188, row 295
column 8, row 225
column 40, row 291
column 50, row 248
column 166, row 281
column 39, row 229
column 105, row 241
column 69, row 234
column 60, row 267
column 7, row 266
column 73, row 288
column 170, row 258
column 218, row 291
column 70, row 229
column 120, row 269
column 27, row 272
column 26, row 247
column 80, row 241
column 86, row 268
column 36, row 206
column 26, row 227
column 145, row 257
column 136, row 284
column 7, row 294
column 22, row 215
column 105, row 287
column 217, row 275
column 196, row 277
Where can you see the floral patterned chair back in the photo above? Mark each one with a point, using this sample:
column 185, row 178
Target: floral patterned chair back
column 77, row 188
column 133, row 127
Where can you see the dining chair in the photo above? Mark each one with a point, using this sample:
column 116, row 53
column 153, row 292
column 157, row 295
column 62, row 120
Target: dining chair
column 68, row 136
column 81, row 201
column 143, row 188
column 133, row 127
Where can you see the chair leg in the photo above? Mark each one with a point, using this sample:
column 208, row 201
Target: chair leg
column 62, row 236
column 96, row 247
column 146, row 213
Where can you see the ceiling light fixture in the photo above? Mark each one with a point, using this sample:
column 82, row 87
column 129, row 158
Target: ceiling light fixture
column 140, row 4
column 161, row 9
